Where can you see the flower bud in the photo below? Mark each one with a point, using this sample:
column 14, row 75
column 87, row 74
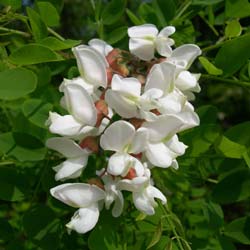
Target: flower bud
column 90, row 143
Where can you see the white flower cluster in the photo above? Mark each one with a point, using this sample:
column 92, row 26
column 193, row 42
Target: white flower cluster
column 130, row 104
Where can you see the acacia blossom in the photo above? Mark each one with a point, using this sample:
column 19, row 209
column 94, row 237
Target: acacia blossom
column 126, row 107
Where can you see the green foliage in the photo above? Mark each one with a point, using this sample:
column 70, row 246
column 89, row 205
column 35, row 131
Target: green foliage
column 208, row 197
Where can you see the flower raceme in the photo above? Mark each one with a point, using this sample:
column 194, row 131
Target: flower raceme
column 130, row 105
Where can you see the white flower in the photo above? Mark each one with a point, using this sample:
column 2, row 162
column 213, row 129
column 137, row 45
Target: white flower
column 122, row 138
column 112, row 194
column 77, row 158
column 101, row 46
column 143, row 192
column 144, row 39
column 83, row 114
column 92, row 65
column 126, row 99
column 163, row 145
column 82, row 196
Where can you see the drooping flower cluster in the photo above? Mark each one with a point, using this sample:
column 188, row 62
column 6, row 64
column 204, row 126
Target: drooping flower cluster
column 131, row 104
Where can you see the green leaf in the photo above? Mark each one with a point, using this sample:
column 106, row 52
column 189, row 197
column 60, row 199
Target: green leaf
column 133, row 18
column 6, row 230
column 37, row 111
column 13, row 186
column 233, row 54
column 206, row 2
column 233, row 187
column 238, row 9
column 233, row 29
column 208, row 114
column 48, row 13
column 239, row 230
column 56, row 44
column 156, row 236
column 21, row 150
column 147, row 13
column 167, row 8
column 209, row 67
column 38, row 27
column 106, row 227
column 117, row 35
column 16, row 83
column 113, row 11
column 57, row 3
column 200, row 139
column 42, row 227
column 15, row 4
column 229, row 148
column 238, row 133
column 33, row 54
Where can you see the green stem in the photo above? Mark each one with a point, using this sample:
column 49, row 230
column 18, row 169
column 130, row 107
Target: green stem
column 17, row 32
column 183, row 9
column 231, row 81
column 51, row 31
column 3, row 163
column 177, row 237
column 215, row 46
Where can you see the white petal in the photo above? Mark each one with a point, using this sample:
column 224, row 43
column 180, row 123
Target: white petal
column 164, row 126
column 134, row 185
column 78, row 81
column 139, row 141
column 184, row 55
column 172, row 103
column 65, row 146
column 159, row 155
column 189, row 117
column 80, row 104
column 176, row 146
column 128, row 86
column 117, row 136
column 142, row 203
column 185, row 81
column 77, row 194
column 156, row 193
column 161, row 76
column 84, row 219
column 142, row 48
column 71, row 168
column 122, row 106
column 119, row 164
column 64, row 125
column 167, row 31
column 118, row 206
column 101, row 46
column 91, row 64
column 163, row 46
column 142, row 31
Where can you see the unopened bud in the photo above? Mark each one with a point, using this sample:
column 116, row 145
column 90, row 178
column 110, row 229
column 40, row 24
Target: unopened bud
column 97, row 182
column 155, row 111
column 102, row 111
column 138, row 156
column 115, row 60
column 131, row 174
column 136, row 122
column 90, row 143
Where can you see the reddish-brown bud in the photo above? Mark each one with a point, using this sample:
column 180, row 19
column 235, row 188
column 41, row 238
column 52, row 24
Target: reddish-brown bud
column 109, row 75
column 138, row 156
column 131, row 174
column 115, row 61
column 97, row 182
column 155, row 111
column 90, row 143
column 102, row 111
column 136, row 122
